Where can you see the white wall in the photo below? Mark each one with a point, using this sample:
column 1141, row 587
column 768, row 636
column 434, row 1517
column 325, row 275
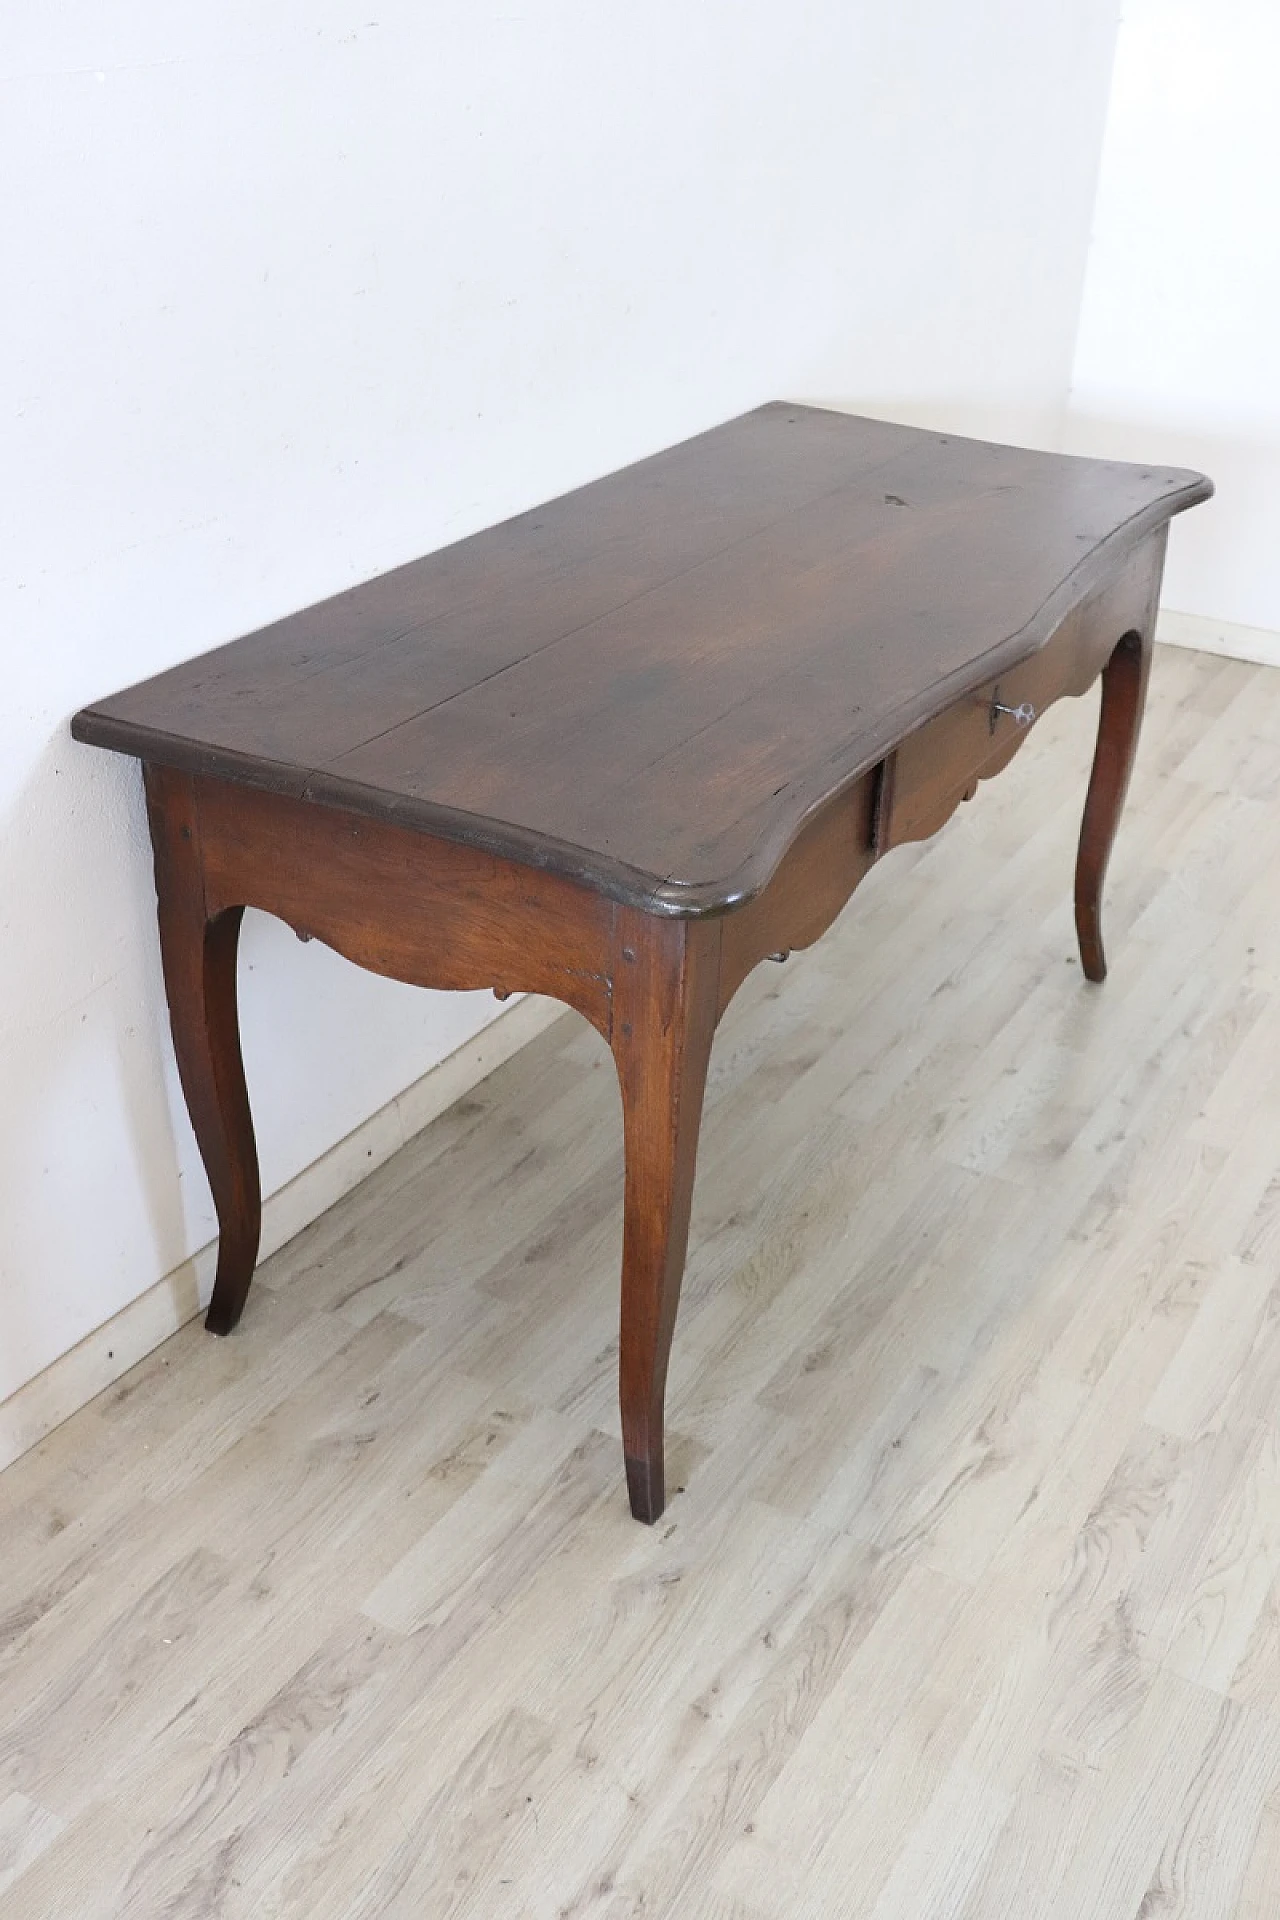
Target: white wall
column 1178, row 358
column 294, row 293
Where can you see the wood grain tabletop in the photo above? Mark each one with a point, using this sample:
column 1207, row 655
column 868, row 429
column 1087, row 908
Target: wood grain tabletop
column 650, row 683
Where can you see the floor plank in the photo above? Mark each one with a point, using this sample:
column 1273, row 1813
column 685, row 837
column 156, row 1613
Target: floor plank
column 968, row 1602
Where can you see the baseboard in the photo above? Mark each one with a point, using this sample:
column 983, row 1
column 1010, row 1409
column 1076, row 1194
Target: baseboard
column 109, row 1351
column 1259, row 644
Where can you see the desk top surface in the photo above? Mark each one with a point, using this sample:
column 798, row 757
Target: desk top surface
column 651, row 682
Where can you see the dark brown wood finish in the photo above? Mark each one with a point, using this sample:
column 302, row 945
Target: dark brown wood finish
column 1124, row 694
column 198, row 946
column 650, row 684
column 623, row 748
column 666, row 989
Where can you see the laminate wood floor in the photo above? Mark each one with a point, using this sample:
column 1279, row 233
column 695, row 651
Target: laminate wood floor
column 969, row 1604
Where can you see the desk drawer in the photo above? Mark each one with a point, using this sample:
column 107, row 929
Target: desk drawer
column 940, row 765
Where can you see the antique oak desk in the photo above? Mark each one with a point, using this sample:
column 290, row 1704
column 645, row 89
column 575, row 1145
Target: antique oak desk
column 622, row 748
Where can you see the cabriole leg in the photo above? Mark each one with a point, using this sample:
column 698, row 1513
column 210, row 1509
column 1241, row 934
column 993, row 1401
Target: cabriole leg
column 198, row 954
column 666, row 985
column 1124, row 693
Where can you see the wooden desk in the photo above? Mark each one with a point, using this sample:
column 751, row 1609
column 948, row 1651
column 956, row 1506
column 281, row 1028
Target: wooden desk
column 624, row 747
